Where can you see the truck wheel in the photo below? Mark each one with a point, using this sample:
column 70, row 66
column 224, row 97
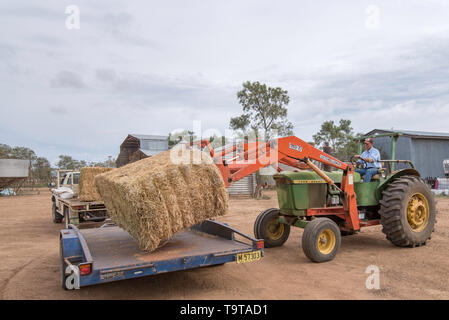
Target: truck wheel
column 57, row 218
column 267, row 228
column 408, row 212
column 321, row 240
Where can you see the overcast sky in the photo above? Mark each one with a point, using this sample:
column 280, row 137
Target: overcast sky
column 150, row 67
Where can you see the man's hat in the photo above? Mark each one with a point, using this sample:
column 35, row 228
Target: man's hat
column 370, row 140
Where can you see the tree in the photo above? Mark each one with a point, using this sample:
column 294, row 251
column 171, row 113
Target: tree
column 110, row 163
column 178, row 136
column 217, row 142
column 5, row 151
column 264, row 108
column 67, row 163
column 41, row 169
column 341, row 138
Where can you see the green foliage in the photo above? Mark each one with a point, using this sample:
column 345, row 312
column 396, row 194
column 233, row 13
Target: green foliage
column 264, row 108
column 189, row 136
column 7, row 152
column 110, row 163
column 68, row 163
column 341, row 139
column 178, row 136
column 217, row 142
column 40, row 169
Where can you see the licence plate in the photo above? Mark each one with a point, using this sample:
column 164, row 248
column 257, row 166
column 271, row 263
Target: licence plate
column 248, row 256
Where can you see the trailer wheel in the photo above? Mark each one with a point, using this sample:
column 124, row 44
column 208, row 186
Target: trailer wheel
column 408, row 212
column 63, row 265
column 57, row 218
column 267, row 228
column 321, row 240
column 66, row 216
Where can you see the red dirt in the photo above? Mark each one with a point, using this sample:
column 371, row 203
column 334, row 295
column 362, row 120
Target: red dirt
column 29, row 252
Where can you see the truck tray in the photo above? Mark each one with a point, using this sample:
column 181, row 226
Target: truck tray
column 99, row 255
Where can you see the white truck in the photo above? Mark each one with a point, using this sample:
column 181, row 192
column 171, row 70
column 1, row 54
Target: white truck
column 67, row 206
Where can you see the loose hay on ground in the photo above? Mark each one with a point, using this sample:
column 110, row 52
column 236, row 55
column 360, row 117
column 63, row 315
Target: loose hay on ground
column 155, row 197
column 87, row 189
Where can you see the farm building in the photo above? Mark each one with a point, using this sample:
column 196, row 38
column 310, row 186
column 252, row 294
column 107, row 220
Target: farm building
column 427, row 150
column 139, row 146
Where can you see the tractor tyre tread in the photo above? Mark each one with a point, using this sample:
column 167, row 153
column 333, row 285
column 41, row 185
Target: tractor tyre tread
column 260, row 224
column 310, row 236
column 393, row 206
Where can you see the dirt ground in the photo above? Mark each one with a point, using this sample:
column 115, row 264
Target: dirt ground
column 29, row 268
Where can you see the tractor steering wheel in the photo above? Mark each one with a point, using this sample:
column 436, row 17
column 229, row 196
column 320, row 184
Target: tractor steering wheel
column 356, row 162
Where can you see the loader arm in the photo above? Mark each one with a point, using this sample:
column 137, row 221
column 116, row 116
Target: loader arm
column 249, row 157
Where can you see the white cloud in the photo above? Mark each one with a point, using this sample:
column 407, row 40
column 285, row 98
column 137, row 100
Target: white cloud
column 152, row 66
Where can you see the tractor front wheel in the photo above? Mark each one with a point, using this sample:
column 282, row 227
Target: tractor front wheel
column 268, row 228
column 408, row 212
column 321, row 240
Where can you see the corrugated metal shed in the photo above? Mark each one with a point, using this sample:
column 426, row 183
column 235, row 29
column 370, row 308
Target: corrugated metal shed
column 244, row 187
column 426, row 150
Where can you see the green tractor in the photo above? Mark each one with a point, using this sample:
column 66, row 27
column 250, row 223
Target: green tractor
column 399, row 200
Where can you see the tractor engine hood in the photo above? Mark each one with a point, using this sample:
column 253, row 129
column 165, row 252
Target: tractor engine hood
column 306, row 177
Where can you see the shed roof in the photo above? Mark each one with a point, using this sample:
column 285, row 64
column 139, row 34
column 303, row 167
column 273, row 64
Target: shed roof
column 149, row 137
column 14, row 168
column 413, row 134
column 150, row 153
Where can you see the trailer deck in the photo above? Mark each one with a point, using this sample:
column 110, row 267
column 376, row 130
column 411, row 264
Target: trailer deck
column 92, row 256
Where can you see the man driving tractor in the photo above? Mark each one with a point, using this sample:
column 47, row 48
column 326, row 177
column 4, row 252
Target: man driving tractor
column 371, row 160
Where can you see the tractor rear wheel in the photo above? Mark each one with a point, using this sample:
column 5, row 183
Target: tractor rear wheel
column 321, row 240
column 408, row 212
column 267, row 227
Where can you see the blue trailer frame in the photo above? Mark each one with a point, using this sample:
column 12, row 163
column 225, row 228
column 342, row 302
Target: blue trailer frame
column 108, row 253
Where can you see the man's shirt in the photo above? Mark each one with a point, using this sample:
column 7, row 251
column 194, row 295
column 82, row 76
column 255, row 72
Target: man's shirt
column 374, row 154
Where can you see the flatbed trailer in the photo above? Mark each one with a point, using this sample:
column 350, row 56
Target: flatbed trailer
column 108, row 253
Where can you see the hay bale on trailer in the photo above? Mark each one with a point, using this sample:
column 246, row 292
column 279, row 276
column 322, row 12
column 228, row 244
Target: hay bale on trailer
column 156, row 197
column 87, row 189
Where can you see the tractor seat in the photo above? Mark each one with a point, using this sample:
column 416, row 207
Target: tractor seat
column 378, row 175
